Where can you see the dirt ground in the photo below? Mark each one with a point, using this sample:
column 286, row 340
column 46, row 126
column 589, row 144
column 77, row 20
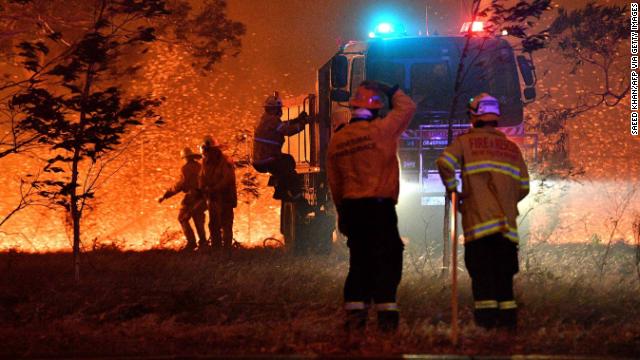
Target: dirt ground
column 267, row 302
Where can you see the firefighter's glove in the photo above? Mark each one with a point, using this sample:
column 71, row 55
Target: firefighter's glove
column 389, row 90
column 381, row 87
column 304, row 117
column 458, row 198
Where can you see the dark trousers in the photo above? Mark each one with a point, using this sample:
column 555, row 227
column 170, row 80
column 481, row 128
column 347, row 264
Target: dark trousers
column 220, row 223
column 492, row 261
column 192, row 207
column 375, row 262
column 283, row 169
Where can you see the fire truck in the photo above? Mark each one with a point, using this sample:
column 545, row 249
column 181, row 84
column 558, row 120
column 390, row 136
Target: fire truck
column 425, row 67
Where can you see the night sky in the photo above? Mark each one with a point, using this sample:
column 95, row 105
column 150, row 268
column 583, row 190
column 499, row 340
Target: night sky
column 288, row 40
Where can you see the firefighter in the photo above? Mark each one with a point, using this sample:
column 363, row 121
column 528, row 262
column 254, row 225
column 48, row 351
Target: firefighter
column 269, row 136
column 363, row 173
column 193, row 204
column 494, row 180
column 218, row 183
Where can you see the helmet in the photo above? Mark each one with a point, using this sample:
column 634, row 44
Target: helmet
column 187, row 152
column 209, row 141
column 366, row 98
column 273, row 101
column 484, row 107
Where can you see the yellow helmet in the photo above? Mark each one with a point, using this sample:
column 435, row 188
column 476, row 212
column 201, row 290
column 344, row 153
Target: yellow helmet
column 484, row 107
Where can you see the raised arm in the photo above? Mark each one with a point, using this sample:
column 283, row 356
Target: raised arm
column 402, row 111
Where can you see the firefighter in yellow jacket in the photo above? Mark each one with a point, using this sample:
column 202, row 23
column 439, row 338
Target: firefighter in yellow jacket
column 363, row 173
column 218, row 183
column 494, row 180
column 192, row 205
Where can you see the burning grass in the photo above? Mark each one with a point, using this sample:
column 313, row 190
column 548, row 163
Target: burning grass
column 263, row 301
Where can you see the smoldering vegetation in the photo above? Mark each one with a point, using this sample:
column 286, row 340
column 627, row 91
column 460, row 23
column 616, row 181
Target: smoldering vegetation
column 265, row 301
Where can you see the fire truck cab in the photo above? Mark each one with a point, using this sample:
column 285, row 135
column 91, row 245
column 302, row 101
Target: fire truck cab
column 425, row 68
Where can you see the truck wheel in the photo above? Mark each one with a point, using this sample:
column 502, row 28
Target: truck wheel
column 304, row 235
column 322, row 233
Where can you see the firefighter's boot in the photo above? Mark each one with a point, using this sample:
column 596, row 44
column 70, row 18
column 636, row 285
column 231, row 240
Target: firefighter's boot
column 203, row 245
column 388, row 321
column 356, row 320
column 508, row 319
column 486, row 318
column 191, row 245
column 188, row 232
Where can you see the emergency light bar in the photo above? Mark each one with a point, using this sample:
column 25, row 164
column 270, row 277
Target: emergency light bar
column 476, row 26
column 384, row 28
column 387, row 29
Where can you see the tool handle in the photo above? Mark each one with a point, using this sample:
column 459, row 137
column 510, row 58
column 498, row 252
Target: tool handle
column 454, row 268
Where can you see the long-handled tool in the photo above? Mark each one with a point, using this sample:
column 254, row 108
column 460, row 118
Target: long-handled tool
column 454, row 267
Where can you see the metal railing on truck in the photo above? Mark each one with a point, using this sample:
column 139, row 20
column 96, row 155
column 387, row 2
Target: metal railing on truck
column 304, row 145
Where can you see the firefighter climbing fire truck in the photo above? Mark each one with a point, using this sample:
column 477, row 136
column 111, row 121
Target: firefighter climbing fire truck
column 425, row 67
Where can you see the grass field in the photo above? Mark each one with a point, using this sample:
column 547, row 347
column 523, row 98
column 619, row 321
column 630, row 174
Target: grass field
column 263, row 301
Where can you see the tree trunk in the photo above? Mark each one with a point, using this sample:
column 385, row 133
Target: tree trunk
column 76, row 213
column 249, row 221
column 475, row 7
column 76, row 245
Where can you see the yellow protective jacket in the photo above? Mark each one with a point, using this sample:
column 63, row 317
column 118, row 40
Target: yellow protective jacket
column 494, row 180
column 362, row 160
column 187, row 183
column 218, row 177
column 268, row 136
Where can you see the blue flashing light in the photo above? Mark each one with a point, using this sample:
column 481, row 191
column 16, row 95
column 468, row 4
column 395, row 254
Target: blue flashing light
column 384, row 28
column 387, row 29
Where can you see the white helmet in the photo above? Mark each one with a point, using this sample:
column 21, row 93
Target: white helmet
column 273, row 101
column 484, row 107
column 187, row 152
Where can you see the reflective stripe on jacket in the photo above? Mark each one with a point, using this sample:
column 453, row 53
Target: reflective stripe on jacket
column 269, row 135
column 494, row 180
column 362, row 159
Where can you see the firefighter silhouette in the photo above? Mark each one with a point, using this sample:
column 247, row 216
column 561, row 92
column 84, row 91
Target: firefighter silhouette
column 218, row 184
column 193, row 205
